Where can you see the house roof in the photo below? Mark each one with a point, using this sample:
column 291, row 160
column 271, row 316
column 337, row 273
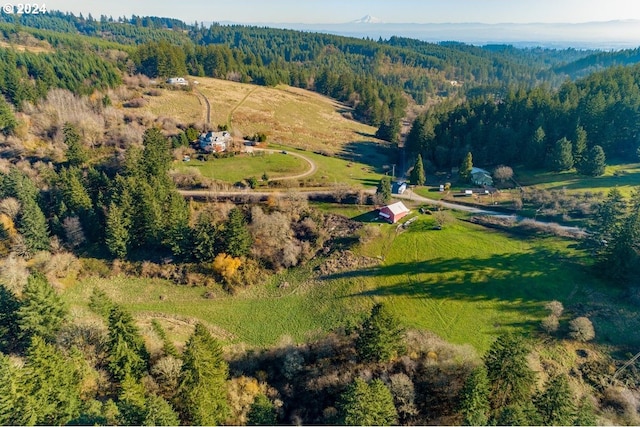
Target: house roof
column 397, row 208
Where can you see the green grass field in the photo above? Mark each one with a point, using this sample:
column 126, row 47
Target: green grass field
column 464, row 283
column 240, row 167
column 625, row 176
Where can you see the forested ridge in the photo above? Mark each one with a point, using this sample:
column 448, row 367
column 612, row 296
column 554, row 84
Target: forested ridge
column 531, row 126
column 369, row 75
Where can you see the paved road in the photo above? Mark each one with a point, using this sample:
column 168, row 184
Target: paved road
column 410, row 195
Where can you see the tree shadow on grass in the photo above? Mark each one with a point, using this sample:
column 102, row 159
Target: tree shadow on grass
column 516, row 282
column 372, row 154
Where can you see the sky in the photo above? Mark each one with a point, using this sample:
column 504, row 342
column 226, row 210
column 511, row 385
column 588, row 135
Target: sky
column 342, row 11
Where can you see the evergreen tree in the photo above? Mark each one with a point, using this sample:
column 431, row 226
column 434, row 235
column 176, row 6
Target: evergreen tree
column 367, row 404
column 8, row 393
column 76, row 154
column 536, row 148
column 555, row 404
column 50, row 387
column 465, row 168
column 508, row 372
column 262, row 412
column 474, row 398
column 131, row 401
column 235, row 234
column 383, row 192
column 594, row 163
column 609, row 215
column 125, row 347
column 380, row 336
column 159, row 412
column 202, row 394
column 41, row 312
column 9, row 328
column 417, row 176
column 156, row 157
column 389, row 131
column 560, row 158
column 32, row 224
column 585, row 414
column 117, row 232
column 205, row 239
column 621, row 255
column 579, row 147
column 8, row 120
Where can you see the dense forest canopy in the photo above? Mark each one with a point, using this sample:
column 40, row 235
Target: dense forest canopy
column 523, row 126
column 371, row 76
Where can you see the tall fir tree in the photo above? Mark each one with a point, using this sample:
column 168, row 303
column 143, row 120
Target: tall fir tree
column 32, row 225
column 580, row 148
column 509, row 374
column 117, row 232
column 560, row 158
column 555, row 404
column 76, row 153
column 202, row 394
column 474, row 398
column 383, row 192
column 9, row 328
column 417, row 176
column 380, row 337
column 49, row 385
column 125, row 346
column 9, row 402
column 609, row 215
column 41, row 311
column 235, row 234
column 594, row 163
column 367, row 404
column 465, row 168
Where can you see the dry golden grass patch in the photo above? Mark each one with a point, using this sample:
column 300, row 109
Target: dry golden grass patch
column 42, row 48
column 180, row 105
column 288, row 115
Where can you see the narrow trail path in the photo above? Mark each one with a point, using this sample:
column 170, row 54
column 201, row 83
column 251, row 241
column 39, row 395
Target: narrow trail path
column 238, row 105
column 204, row 101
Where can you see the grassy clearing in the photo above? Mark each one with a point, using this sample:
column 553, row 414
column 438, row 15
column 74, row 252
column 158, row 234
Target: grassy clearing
column 338, row 171
column 625, row 176
column 177, row 104
column 465, row 283
column 240, row 167
column 259, row 316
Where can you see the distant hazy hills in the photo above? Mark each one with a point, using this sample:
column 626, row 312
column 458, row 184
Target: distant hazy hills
column 620, row 34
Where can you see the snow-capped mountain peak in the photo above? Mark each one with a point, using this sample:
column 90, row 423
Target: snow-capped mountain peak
column 367, row 19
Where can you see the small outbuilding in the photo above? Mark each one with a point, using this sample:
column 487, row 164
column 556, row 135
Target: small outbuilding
column 481, row 177
column 398, row 187
column 394, row 212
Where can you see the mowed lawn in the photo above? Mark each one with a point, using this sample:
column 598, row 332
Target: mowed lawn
column 237, row 168
column 465, row 283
